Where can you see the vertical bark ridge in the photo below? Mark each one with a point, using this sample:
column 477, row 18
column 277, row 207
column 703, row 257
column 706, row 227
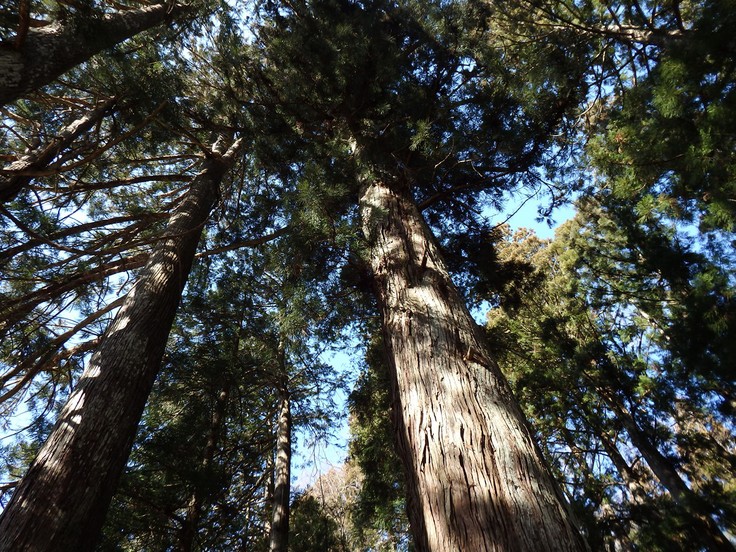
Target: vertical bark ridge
column 61, row 502
column 279, row 538
column 478, row 481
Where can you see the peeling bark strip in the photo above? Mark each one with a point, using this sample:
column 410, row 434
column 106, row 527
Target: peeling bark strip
column 48, row 52
column 15, row 177
column 61, row 502
column 476, row 479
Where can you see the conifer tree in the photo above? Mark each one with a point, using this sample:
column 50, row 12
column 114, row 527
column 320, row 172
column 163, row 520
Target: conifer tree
column 197, row 472
column 246, row 329
column 95, row 430
column 383, row 134
column 587, row 342
column 415, row 112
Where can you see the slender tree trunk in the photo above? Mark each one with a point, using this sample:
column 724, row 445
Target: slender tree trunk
column 60, row 504
column 706, row 528
column 14, row 177
column 279, row 538
column 477, row 481
column 47, row 52
column 190, row 525
column 619, row 540
column 269, row 490
column 628, row 476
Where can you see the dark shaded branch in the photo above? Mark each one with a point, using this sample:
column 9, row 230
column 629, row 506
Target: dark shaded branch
column 254, row 242
column 37, row 239
column 18, row 174
column 46, row 53
column 14, row 310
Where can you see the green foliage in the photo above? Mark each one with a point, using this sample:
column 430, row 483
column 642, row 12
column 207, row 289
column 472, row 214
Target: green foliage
column 456, row 104
column 670, row 134
column 593, row 342
column 312, row 530
column 380, row 511
column 248, row 328
column 206, row 433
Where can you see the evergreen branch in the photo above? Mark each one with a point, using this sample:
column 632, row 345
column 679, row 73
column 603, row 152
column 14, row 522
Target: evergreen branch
column 108, row 145
column 15, row 309
column 18, row 174
column 253, row 242
column 147, row 218
column 51, row 356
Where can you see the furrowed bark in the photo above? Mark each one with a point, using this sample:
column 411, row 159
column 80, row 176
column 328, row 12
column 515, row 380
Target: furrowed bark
column 62, row 500
column 476, row 479
column 47, row 52
column 279, row 535
column 15, row 176
column 268, row 476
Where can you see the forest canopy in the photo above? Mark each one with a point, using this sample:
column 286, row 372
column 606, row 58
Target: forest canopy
column 199, row 200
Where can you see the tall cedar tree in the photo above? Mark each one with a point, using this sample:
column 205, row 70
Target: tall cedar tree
column 279, row 534
column 51, row 509
column 245, row 328
column 426, row 109
column 425, row 113
column 590, row 344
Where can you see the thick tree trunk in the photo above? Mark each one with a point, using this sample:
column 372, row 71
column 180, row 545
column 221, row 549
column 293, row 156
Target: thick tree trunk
column 47, row 52
column 17, row 175
column 476, row 479
column 707, row 529
column 188, row 532
column 279, row 538
column 61, row 502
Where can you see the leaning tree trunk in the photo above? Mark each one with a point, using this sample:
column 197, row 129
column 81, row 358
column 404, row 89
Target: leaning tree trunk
column 476, row 479
column 707, row 530
column 17, row 175
column 279, row 537
column 45, row 53
column 60, row 504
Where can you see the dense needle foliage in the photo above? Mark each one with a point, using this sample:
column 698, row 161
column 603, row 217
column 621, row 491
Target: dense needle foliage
column 618, row 336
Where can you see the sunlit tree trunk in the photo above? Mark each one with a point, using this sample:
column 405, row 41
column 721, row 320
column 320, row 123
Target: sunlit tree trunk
column 61, row 502
column 279, row 538
column 47, row 52
column 477, row 481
